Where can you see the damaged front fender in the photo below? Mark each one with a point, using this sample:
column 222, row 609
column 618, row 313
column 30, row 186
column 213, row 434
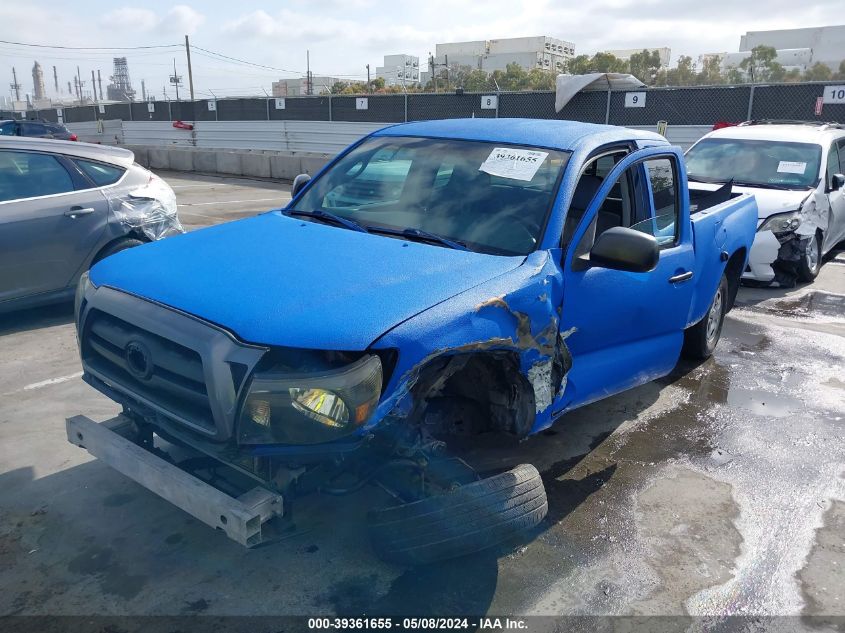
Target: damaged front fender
column 518, row 312
column 149, row 210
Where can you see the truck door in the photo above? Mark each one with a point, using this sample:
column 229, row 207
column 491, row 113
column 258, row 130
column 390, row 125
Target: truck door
column 626, row 328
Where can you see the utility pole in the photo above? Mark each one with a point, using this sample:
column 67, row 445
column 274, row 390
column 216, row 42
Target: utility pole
column 431, row 70
column 143, row 91
column 190, row 71
column 79, row 84
column 93, row 86
column 15, row 85
column 56, row 80
column 69, row 90
column 100, row 82
column 175, row 79
column 446, row 61
column 368, row 78
column 309, row 89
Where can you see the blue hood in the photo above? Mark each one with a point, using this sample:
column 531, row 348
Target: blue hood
column 277, row 280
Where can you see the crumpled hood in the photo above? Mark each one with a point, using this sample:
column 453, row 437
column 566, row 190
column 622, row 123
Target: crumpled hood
column 769, row 201
column 278, row 280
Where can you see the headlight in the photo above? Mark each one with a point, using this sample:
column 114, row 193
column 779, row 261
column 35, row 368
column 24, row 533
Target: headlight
column 782, row 222
column 81, row 288
column 283, row 408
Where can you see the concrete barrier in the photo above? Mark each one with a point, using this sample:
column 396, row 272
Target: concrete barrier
column 254, row 164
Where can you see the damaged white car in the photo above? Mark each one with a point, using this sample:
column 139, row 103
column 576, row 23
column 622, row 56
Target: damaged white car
column 65, row 206
column 795, row 171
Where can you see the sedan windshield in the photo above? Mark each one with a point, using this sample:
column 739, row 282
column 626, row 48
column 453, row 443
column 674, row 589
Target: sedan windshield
column 777, row 164
column 488, row 197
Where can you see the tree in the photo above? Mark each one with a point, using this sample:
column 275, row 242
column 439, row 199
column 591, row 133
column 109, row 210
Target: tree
column 477, row 81
column 579, row 65
column 339, row 87
column 841, row 73
column 645, row 66
column 818, row 72
column 539, row 79
column 607, row 63
column 761, row 64
column 513, row 77
column 711, row 71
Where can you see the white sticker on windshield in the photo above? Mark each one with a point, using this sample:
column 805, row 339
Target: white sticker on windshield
column 516, row 164
column 791, row 167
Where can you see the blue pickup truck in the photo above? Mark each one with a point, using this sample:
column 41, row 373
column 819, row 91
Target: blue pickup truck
column 437, row 279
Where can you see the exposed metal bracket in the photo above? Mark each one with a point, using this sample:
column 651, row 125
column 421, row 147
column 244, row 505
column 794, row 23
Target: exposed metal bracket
column 241, row 519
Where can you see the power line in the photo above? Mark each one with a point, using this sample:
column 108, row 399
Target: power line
column 243, row 61
column 92, row 48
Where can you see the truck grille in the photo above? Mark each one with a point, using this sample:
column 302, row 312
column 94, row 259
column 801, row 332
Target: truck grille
column 151, row 366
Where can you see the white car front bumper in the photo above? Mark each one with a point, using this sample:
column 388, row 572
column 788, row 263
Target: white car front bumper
column 764, row 252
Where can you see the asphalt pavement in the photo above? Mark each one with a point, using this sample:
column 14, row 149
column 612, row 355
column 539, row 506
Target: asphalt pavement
column 718, row 490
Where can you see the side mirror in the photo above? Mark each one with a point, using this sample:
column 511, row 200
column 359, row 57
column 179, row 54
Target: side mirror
column 837, row 182
column 621, row 248
column 298, row 183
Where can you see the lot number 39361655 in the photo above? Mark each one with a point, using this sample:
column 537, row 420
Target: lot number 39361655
column 834, row 94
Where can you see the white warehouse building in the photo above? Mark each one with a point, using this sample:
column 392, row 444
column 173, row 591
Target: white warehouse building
column 826, row 43
column 399, row 70
column 547, row 53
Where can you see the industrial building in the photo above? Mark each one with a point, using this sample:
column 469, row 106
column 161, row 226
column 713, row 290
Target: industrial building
column 298, row 86
column 540, row 51
column 120, row 88
column 399, row 70
column 826, row 43
column 664, row 52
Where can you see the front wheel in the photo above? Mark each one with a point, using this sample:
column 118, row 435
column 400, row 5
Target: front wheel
column 811, row 262
column 700, row 340
column 465, row 520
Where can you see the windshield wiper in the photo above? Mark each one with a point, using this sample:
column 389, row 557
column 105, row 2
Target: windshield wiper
column 329, row 217
column 765, row 185
column 701, row 179
column 420, row 236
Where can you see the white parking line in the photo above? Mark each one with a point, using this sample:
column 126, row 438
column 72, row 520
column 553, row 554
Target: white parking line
column 203, row 204
column 46, row 383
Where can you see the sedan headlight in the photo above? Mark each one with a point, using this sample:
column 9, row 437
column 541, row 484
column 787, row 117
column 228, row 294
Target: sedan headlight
column 284, row 408
column 782, row 222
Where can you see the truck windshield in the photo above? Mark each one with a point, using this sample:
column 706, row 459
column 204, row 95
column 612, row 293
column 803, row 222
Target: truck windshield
column 488, row 197
column 778, row 164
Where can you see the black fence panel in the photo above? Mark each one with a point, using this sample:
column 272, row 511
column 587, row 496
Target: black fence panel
column 242, row 109
column 45, row 115
column 589, row 107
column 426, row 107
column 161, row 111
column 380, row 109
column 795, row 101
column 80, row 114
column 681, row 106
column 116, row 111
column 301, row 109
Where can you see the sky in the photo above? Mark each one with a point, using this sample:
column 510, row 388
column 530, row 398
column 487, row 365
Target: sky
column 345, row 35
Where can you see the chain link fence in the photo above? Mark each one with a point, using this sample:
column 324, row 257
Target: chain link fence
column 704, row 105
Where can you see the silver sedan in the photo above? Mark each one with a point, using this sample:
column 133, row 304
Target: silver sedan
column 64, row 206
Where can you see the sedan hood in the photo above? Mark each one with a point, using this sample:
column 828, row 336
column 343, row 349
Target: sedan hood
column 769, row 201
column 276, row 280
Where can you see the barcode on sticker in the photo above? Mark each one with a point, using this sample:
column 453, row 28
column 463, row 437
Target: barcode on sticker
column 791, row 167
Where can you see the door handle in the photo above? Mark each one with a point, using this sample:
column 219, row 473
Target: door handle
column 75, row 212
column 680, row 277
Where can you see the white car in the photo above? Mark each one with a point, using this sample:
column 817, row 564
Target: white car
column 795, row 170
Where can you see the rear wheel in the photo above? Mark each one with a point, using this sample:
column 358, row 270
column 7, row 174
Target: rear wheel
column 811, row 262
column 468, row 519
column 700, row 340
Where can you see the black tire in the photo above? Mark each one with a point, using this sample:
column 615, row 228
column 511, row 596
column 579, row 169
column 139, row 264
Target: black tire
column 701, row 339
column 467, row 520
column 116, row 247
column 810, row 264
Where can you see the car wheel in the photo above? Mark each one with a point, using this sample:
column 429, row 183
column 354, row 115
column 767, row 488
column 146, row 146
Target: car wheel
column 462, row 521
column 701, row 339
column 811, row 262
column 116, row 247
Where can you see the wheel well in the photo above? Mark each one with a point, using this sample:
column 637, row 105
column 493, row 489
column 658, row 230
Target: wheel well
column 733, row 273
column 468, row 394
column 128, row 236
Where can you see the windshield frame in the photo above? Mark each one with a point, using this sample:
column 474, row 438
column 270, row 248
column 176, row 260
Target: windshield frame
column 744, row 182
column 554, row 191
